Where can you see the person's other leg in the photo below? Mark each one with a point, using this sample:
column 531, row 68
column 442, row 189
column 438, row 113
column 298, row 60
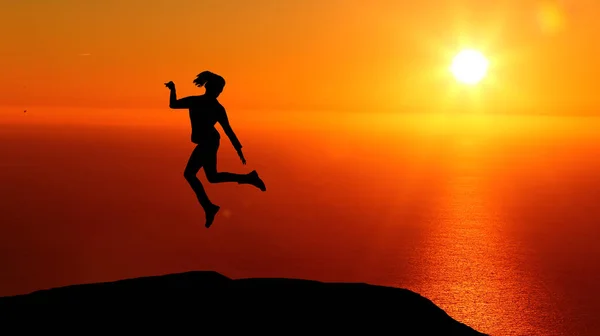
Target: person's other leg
column 195, row 162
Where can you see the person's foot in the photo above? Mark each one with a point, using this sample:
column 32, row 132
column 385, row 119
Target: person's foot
column 256, row 181
column 211, row 212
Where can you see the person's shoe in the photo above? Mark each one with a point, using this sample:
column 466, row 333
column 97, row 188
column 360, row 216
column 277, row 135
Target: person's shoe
column 256, row 181
column 210, row 214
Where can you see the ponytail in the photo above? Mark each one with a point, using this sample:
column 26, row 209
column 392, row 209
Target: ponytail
column 207, row 77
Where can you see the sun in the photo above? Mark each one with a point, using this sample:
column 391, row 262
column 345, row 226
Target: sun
column 469, row 66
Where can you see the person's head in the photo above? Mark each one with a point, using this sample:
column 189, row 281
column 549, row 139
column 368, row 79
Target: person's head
column 212, row 82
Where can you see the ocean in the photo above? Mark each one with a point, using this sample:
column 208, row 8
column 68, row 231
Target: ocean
column 492, row 217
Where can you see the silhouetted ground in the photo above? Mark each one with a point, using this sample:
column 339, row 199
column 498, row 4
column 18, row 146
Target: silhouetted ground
column 208, row 302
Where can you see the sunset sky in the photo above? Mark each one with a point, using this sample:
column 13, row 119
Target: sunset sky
column 301, row 54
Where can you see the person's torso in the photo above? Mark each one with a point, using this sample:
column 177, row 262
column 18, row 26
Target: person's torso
column 203, row 117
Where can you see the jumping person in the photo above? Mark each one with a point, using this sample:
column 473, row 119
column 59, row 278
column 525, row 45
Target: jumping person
column 205, row 111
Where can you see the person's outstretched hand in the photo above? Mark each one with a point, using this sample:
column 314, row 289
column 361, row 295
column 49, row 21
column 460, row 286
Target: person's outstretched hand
column 241, row 155
column 170, row 85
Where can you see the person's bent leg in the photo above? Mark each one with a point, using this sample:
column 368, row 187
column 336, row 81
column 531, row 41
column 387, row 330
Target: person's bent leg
column 213, row 176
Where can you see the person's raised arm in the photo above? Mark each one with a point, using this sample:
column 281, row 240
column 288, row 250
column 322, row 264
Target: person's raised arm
column 224, row 121
column 174, row 103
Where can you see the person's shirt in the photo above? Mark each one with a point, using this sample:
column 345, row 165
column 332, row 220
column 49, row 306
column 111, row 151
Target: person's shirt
column 204, row 113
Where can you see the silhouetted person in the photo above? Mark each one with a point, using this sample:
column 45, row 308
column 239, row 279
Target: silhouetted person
column 205, row 111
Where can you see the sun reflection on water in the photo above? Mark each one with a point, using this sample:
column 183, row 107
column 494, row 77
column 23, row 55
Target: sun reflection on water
column 470, row 265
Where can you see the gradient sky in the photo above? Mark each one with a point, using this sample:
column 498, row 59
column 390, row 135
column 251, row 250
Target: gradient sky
column 300, row 54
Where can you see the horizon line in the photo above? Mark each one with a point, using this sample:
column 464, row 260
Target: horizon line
column 582, row 112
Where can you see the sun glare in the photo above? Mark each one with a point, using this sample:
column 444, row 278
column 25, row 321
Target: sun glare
column 469, row 66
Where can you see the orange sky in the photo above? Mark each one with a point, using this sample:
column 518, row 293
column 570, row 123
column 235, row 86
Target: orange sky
column 300, row 54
